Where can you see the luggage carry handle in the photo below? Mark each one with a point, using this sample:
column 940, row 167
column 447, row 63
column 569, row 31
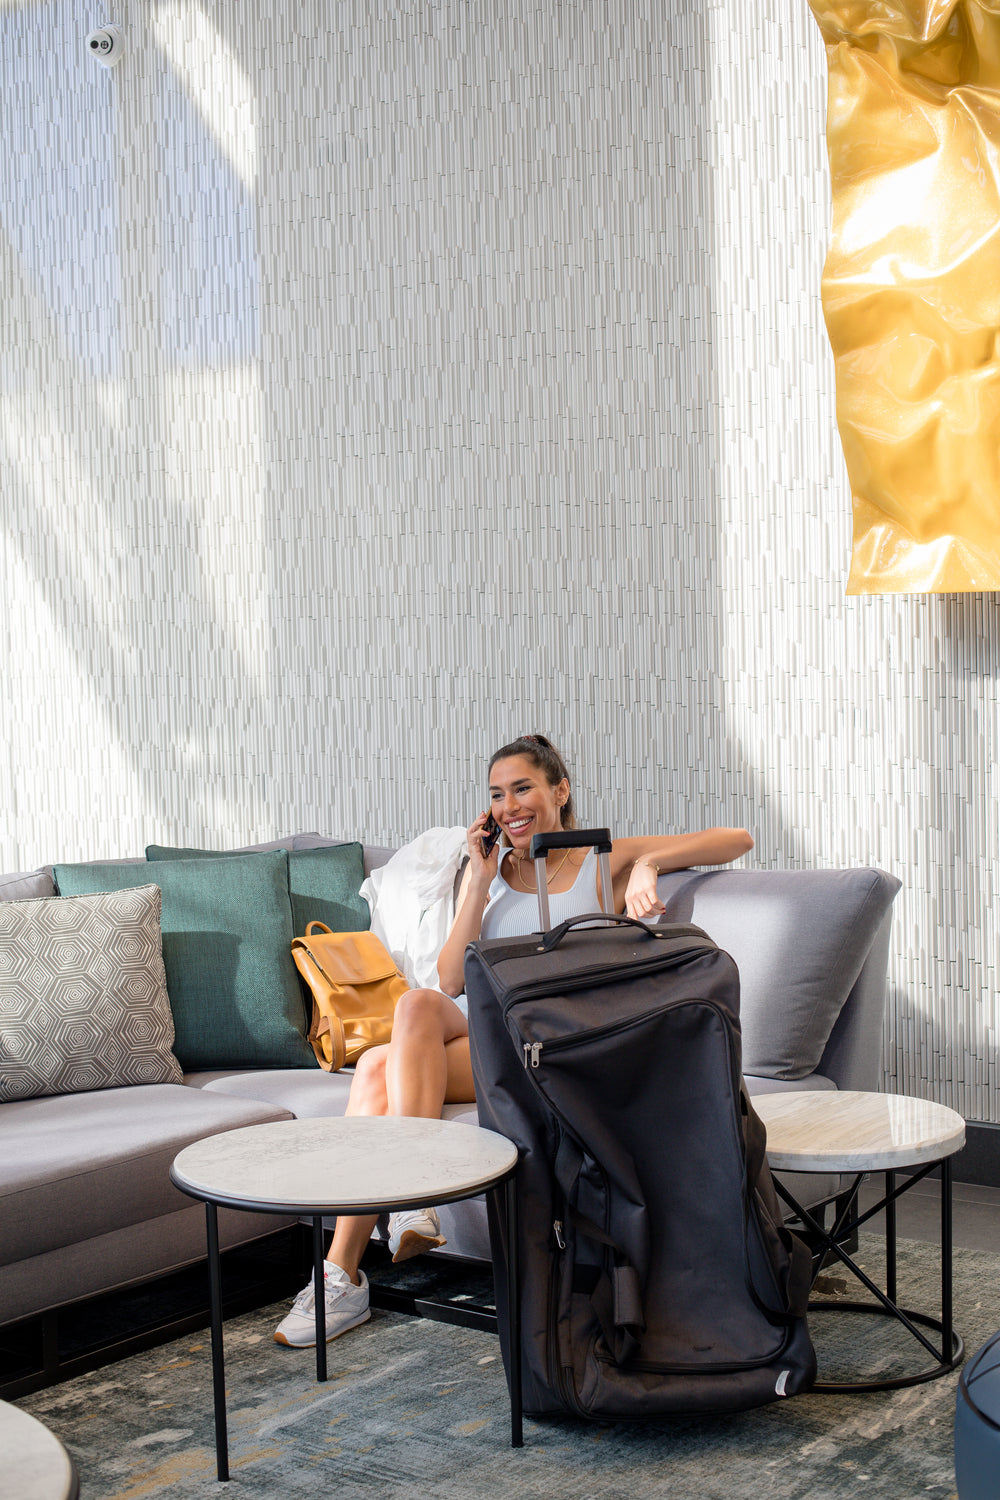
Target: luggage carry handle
column 573, row 838
column 552, row 939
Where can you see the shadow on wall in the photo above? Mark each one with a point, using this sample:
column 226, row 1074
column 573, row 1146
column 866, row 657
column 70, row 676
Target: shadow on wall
column 970, row 626
column 915, row 1039
column 112, row 284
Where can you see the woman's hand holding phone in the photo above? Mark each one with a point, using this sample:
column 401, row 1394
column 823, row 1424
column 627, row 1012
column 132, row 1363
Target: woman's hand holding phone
column 483, row 838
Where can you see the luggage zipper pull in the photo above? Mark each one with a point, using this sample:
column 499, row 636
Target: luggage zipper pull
column 557, row 1226
column 532, row 1053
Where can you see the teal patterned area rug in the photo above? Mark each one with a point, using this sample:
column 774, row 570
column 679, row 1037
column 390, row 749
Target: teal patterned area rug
column 415, row 1408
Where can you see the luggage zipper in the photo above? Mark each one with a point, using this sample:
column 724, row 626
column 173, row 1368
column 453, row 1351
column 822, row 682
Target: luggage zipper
column 724, row 1367
column 557, row 1375
column 533, row 1050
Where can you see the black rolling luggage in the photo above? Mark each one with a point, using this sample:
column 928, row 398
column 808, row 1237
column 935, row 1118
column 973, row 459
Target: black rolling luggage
column 657, row 1276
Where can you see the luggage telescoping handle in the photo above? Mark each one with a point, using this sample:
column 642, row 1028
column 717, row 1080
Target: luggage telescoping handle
column 573, row 838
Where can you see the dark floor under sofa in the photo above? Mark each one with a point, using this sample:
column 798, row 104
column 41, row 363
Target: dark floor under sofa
column 100, row 1254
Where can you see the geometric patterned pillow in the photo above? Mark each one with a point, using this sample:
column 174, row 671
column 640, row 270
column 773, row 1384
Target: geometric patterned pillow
column 83, row 996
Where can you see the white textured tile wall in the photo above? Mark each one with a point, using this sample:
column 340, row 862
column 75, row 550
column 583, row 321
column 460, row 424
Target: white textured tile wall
column 379, row 380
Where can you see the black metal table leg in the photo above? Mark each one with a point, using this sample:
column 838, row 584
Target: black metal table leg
column 952, row 1348
column 514, row 1314
column 319, row 1293
column 890, row 1236
column 947, row 1332
column 218, row 1357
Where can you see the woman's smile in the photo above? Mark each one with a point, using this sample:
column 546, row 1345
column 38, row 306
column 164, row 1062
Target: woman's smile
column 514, row 825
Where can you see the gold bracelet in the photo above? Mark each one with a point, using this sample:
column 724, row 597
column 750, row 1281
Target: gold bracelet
column 643, row 860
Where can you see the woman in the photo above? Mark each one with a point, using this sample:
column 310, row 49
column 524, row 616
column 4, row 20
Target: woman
column 426, row 1064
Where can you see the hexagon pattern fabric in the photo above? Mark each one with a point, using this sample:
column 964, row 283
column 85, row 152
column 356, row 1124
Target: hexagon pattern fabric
column 83, row 996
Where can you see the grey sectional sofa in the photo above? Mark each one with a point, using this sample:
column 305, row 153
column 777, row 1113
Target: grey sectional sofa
column 86, row 1205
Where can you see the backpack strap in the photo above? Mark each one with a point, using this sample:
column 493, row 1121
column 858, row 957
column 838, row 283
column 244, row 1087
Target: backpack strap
column 616, row 1296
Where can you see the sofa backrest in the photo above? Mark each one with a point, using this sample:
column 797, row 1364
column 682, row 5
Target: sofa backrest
column 27, row 885
column 375, row 856
column 811, row 945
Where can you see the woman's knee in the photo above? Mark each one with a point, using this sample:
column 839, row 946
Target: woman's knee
column 417, row 1010
column 368, row 1093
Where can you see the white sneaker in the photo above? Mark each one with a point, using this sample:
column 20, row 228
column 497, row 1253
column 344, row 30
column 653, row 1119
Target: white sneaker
column 413, row 1231
column 346, row 1307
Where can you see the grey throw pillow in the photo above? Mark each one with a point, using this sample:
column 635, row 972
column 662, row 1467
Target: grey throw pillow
column 799, row 938
column 26, row 885
column 83, row 997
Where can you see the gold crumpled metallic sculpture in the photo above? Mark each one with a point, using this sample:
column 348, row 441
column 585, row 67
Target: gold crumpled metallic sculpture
column 911, row 288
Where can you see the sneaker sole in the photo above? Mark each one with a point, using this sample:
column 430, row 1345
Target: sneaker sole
column 411, row 1243
column 279, row 1337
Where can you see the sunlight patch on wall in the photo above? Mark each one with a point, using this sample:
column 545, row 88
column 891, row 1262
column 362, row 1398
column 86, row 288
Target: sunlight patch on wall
column 82, row 543
column 215, row 475
column 215, row 82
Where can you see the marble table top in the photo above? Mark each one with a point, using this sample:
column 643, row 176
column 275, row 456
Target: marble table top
column 848, row 1131
column 344, row 1165
column 34, row 1464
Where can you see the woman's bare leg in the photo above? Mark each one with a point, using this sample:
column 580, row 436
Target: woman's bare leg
column 425, row 1065
column 424, row 1068
column 368, row 1097
column 460, row 1088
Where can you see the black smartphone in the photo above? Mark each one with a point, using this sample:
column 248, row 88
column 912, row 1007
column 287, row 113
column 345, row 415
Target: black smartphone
column 491, row 833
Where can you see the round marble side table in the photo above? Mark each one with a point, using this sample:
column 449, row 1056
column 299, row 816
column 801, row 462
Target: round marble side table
column 35, row 1464
column 356, row 1165
column 846, row 1131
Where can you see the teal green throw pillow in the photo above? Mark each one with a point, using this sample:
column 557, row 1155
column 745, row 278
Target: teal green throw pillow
column 227, row 932
column 324, row 884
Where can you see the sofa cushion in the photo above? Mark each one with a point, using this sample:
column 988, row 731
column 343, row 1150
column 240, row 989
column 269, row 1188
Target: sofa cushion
column 227, row 934
column 122, row 1257
column 324, row 882
column 799, row 939
column 83, row 1165
column 306, row 1095
column 813, row 1083
column 83, row 997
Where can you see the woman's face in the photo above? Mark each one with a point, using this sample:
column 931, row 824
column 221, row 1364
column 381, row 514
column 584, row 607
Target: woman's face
column 523, row 801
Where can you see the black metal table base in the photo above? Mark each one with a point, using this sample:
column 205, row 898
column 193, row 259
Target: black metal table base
column 951, row 1350
column 505, row 1202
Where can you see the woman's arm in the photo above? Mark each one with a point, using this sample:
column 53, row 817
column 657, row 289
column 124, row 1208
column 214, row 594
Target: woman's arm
column 473, row 894
column 635, row 863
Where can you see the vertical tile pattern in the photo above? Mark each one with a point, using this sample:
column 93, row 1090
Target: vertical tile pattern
column 379, row 381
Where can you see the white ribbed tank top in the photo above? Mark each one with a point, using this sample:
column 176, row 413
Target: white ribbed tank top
column 511, row 913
